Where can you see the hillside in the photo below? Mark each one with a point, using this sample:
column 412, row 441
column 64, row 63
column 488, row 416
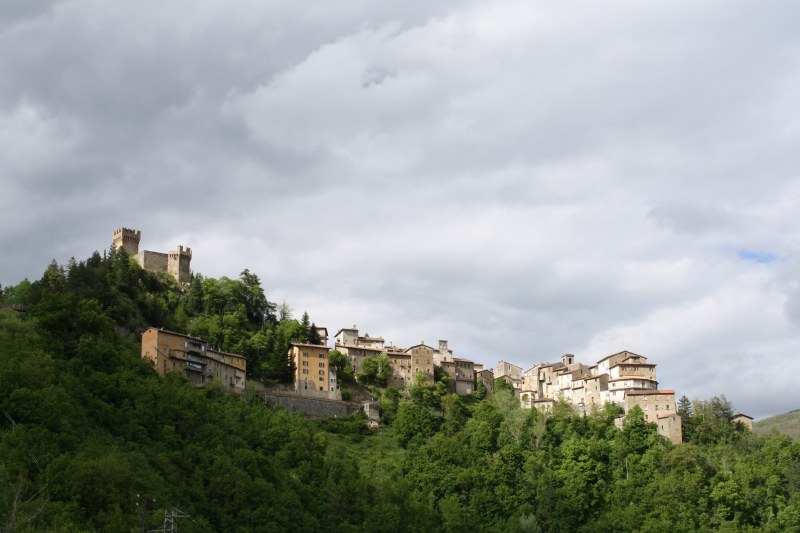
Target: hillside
column 786, row 423
column 92, row 439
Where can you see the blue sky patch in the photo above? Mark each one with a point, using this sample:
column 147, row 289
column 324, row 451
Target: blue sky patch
column 758, row 257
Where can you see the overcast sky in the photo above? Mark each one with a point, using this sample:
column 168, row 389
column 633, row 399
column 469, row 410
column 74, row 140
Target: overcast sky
column 523, row 179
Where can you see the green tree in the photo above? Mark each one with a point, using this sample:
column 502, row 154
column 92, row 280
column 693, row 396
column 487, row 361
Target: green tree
column 17, row 294
column 685, row 411
column 259, row 309
column 413, row 423
column 340, row 362
column 313, row 335
column 455, row 413
column 501, row 384
column 712, row 421
column 375, row 370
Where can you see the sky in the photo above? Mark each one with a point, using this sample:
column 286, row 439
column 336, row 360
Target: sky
column 522, row 178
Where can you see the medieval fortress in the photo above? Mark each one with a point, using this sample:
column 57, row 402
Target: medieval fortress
column 175, row 263
column 624, row 379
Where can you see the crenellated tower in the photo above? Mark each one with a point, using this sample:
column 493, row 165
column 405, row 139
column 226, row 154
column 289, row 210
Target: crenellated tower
column 178, row 262
column 175, row 263
column 128, row 239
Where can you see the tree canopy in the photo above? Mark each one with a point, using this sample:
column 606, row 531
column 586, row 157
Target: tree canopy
column 92, row 439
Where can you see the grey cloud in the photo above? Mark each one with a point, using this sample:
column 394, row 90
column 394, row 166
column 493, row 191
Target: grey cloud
column 524, row 180
column 695, row 219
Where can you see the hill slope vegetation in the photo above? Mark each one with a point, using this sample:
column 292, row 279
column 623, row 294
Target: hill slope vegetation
column 91, row 439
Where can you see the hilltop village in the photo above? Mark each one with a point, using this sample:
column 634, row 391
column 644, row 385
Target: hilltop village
column 625, row 379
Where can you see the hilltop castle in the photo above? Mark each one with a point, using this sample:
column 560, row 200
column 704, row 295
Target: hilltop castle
column 174, row 263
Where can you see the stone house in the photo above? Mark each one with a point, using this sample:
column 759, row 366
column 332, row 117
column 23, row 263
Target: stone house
column 194, row 358
column 422, row 361
column 462, row 375
column 624, row 378
column 486, row 377
column 511, row 370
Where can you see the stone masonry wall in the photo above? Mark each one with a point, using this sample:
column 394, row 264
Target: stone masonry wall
column 313, row 407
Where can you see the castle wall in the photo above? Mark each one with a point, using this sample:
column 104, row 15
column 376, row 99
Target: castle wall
column 152, row 261
column 176, row 263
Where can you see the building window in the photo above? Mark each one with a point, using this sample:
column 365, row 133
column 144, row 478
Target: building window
column 305, row 371
column 321, row 373
column 320, row 380
column 321, row 364
column 305, row 363
column 305, row 354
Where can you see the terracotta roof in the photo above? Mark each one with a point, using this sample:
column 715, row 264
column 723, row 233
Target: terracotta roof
column 623, row 378
column 306, row 345
column 618, row 353
column 417, row 345
column 367, row 348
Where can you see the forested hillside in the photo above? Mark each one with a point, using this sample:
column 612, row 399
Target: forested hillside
column 786, row 423
column 91, row 439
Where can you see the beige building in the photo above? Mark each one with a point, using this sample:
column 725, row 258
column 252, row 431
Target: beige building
column 356, row 348
column 313, row 375
column 442, row 354
column 511, row 370
column 191, row 356
column 175, row 263
column 745, row 420
column 659, row 408
column 462, row 375
column 402, row 374
column 624, row 378
column 406, row 363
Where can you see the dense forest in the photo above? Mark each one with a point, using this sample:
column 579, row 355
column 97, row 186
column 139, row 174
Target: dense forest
column 92, row 439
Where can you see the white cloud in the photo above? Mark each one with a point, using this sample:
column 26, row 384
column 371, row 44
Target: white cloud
column 523, row 179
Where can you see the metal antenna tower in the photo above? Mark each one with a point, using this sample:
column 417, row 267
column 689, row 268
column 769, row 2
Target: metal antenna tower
column 171, row 516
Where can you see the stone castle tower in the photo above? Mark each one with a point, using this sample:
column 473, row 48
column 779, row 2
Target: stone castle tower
column 128, row 239
column 178, row 263
column 175, row 263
